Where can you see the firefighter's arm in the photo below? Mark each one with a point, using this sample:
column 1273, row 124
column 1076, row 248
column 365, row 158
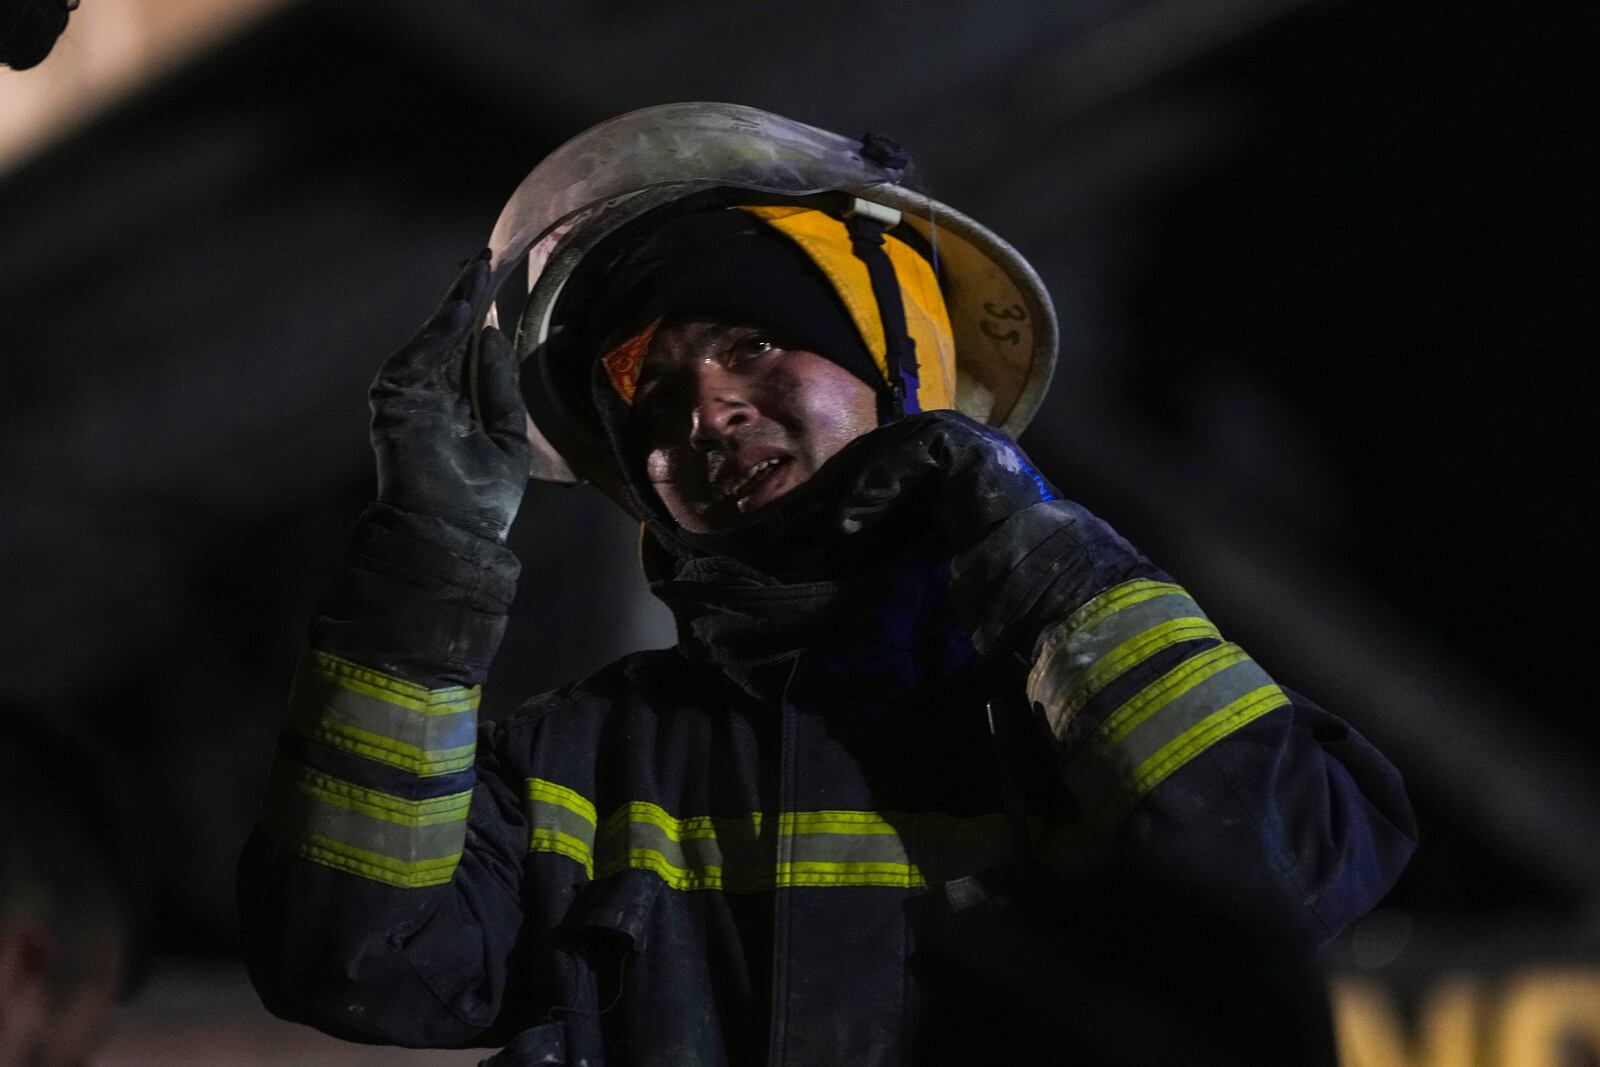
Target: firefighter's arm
column 1179, row 748
column 1186, row 756
column 1183, row 754
column 380, row 896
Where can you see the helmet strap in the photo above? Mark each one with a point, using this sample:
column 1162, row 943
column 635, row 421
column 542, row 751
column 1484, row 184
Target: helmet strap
column 900, row 353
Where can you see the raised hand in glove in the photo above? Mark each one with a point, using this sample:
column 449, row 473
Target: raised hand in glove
column 1021, row 556
column 433, row 458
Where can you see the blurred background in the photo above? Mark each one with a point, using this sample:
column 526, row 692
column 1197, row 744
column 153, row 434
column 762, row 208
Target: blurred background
column 1326, row 275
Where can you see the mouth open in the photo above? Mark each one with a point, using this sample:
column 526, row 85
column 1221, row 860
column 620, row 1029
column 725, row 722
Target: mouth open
column 758, row 486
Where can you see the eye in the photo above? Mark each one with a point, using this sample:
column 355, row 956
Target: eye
column 753, row 346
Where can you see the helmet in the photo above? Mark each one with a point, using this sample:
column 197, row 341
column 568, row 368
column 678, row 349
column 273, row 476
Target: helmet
column 612, row 174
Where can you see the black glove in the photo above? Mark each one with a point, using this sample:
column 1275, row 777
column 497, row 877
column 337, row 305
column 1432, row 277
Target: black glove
column 971, row 475
column 1021, row 556
column 433, row 459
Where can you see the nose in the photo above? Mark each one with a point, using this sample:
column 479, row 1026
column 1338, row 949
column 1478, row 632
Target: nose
column 720, row 406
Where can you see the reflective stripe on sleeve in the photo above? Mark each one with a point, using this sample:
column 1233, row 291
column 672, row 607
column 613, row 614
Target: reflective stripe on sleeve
column 344, row 705
column 562, row 821
column 1107, row 637
column 1169, row 722
column 399, row 842
column 739, row 853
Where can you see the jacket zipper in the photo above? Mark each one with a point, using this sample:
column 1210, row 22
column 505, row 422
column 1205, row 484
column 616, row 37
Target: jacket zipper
column 783, row 853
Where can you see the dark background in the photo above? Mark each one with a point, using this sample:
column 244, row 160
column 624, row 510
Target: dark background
column 1327, row 286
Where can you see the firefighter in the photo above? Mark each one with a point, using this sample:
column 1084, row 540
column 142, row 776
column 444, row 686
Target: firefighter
column 940, row 770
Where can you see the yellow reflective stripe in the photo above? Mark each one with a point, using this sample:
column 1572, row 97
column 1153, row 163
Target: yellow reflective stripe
column 561, row 821
column 877, row 822
column 1119, row 598
column 1191, row 706
column 382, row 749
column 397, row 691
column 684, row 878
column 1106, row 637
column 1220, row 723
column 1153, row 697
column 351, row 797
column 546, row 839
column 1143, row 646
column 382, row 718
column 402, row 874
column 740, row 853
column 698, row 852
column 1134, row 651
column 691, row 828
column 897, row 875
column 392, row 839
column 1168, row 723
column 783, row 875
column 542, row 791
column 838, row 822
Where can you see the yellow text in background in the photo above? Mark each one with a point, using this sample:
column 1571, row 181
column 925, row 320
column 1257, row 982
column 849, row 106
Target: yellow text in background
column 1543, row 1017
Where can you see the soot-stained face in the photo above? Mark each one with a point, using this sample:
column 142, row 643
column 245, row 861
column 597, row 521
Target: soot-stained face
column 732, row 417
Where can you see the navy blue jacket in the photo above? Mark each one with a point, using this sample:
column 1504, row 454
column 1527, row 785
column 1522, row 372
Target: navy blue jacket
column 815, row 832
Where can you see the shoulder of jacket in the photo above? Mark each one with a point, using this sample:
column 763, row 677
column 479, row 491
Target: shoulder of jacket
column 646, row 677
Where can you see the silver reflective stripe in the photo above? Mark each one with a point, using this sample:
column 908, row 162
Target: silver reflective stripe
column 1106, row 637
column 347, row 706
column 1169, row 722
column 389, row 839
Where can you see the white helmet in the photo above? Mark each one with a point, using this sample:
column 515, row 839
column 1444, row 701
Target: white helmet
column 1003, row 322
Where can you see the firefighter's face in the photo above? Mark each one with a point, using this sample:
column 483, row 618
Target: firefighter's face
column 733, row 417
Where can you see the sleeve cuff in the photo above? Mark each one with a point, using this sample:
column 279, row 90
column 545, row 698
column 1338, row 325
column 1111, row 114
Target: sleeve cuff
column 418, row 599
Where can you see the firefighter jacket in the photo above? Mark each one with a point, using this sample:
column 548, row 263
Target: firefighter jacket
column 814, row 832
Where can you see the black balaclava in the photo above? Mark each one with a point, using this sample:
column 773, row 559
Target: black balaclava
column 842, row 562
column 732, row 265
column 727, row 263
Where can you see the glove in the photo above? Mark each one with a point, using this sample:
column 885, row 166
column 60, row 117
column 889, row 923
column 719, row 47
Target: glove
column 432, row 458
column 975, row 475
column 1021, row 557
